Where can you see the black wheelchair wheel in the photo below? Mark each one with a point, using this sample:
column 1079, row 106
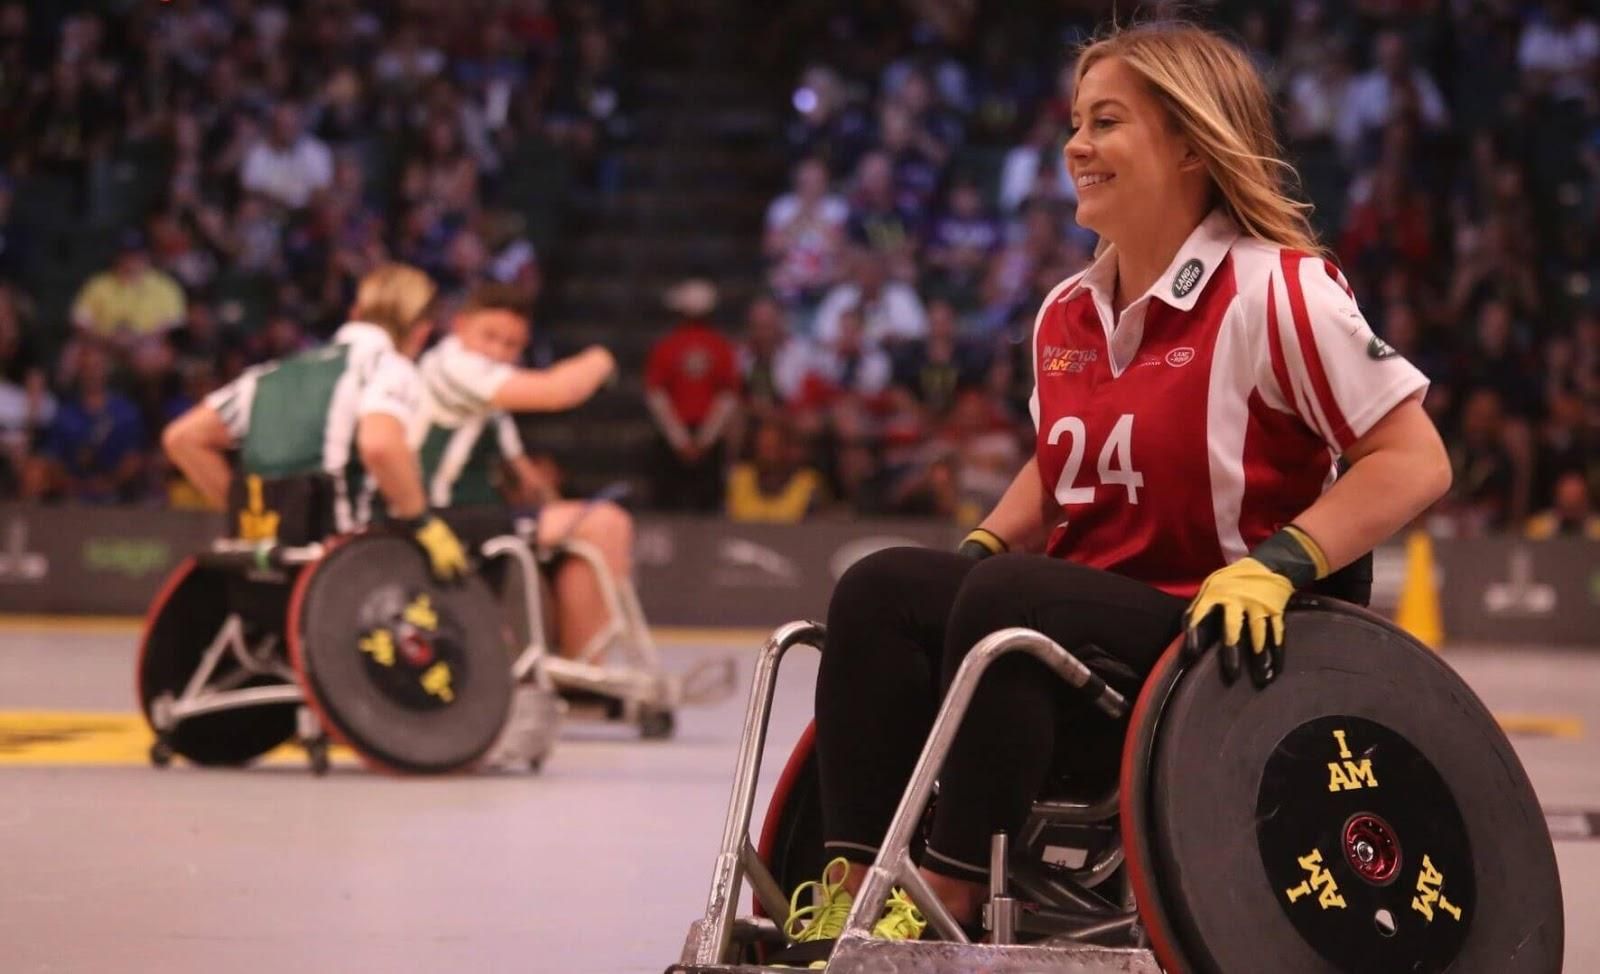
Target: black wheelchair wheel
column 791, row 836
column 1363, row 813
column 182, row 621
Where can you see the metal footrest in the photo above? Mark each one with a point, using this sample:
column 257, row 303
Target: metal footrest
column 865, row 956
column 860, row 956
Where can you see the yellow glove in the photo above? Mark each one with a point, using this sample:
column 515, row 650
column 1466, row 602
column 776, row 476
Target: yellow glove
column 1253, row 592
column 446, row 558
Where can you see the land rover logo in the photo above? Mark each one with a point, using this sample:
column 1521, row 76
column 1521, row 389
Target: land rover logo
column 1179, row 357
column 1188, row 277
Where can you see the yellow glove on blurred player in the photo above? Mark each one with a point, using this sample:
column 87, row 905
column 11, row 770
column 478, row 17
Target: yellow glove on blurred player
column 1247, row 599
column 446, row 558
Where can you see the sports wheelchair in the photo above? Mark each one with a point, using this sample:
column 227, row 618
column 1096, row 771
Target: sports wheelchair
column 620, row 669
column 291, row 630
column 1362, row 813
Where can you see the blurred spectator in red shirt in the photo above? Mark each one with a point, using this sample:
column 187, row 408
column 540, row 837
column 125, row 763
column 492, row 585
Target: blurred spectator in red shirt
column 692, row 388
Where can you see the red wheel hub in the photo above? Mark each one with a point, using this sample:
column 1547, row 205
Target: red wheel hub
column 1371, row 848
column 415, row 647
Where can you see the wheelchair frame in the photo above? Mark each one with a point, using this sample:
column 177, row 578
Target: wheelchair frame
column 643, row 692
column 716, row 940
column 538, row 720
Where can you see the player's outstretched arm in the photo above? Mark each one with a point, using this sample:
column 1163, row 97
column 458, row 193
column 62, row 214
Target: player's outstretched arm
column 565, row 385
column 197, row 444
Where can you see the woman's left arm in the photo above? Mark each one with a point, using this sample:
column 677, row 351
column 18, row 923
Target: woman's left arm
column 1397, row 470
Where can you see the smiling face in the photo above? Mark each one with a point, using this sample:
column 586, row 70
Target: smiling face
column 494, row 333
column 1126, row 158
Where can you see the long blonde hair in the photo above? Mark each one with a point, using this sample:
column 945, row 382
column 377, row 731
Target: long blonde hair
column 1216, row 98
column 393, row 296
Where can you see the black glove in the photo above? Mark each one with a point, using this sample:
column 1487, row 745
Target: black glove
column 980, row 543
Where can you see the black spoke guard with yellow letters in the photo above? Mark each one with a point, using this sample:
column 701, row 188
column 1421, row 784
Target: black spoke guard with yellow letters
column 411, row 673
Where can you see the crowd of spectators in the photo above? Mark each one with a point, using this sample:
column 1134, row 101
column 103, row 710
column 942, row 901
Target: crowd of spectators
column 190, row 187
column 193, row 186
column 1451, row 147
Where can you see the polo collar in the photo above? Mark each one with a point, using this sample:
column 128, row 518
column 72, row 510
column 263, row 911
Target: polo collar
column 1181, row 284
column 361, row 333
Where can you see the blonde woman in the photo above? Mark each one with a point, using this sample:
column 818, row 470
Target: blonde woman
column 1194, row 388
column 344, row 411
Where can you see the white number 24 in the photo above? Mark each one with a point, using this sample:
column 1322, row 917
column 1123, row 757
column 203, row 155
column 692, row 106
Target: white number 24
column 1116, row 460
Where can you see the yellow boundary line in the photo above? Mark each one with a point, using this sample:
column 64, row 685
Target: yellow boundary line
column 1564, row 726
column 27, row 622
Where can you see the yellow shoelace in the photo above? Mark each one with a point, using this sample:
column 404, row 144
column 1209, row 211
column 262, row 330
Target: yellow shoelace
column 826, row 916
column 901, row 919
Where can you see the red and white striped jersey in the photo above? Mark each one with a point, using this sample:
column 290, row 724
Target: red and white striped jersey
column 1180, row 436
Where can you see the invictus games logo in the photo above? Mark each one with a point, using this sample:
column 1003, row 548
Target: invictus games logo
column 1378, row 349
column 1058, row 359
column 1188, row 276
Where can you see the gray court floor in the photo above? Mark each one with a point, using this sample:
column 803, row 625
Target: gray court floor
column 597, row 865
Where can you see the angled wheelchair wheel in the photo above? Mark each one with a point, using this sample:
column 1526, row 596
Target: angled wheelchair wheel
column 411, row 674
column 1363, row 813
column 180, row 624
column 791, row 834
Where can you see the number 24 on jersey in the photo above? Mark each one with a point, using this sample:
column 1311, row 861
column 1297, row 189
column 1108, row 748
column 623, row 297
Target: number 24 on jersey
column 1115, row 465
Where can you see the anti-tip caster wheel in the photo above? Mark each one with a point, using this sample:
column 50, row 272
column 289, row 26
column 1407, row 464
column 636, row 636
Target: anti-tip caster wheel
column 657, row 725
column 161, row 753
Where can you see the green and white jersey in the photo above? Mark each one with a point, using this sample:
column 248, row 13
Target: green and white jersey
column 298, row 415
column 466, row 439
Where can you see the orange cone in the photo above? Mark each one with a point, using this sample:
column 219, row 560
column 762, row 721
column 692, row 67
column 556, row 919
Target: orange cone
column 1419, row 613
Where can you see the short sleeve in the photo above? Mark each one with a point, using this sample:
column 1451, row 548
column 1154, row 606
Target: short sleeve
column 1325, row 364
column 395, row 389
column 233, row 401
column 463, row 380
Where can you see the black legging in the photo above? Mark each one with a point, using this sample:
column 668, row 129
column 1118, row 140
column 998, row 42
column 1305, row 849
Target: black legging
column 899, row 624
